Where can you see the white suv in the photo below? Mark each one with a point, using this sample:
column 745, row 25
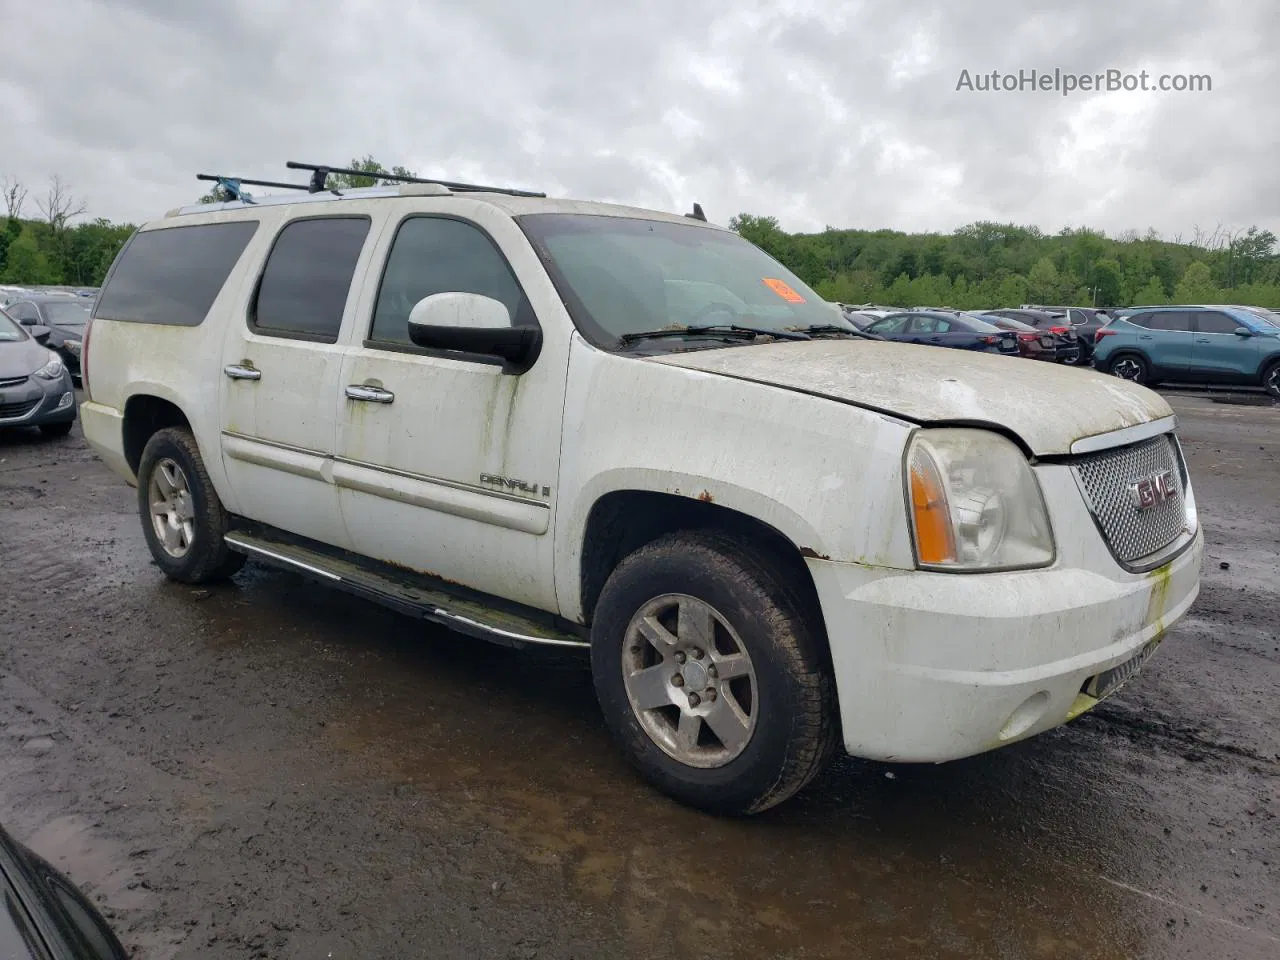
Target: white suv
column 555, row 422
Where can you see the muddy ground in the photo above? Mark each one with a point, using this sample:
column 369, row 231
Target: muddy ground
column 271, row 769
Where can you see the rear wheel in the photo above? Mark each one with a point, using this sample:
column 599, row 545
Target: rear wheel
column 1130, row 366
column 1271, row 380
column 710, row 676
column 182, row 518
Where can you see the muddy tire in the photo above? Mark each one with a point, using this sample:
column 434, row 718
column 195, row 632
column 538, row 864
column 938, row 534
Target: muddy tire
column 1131, row 367
column 1271, row 380
column 710, row 676
column 183, row 520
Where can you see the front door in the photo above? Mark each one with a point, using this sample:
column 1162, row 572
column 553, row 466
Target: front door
column 1168, row 341
column 279, row 389
column 445, row 463
column 1218, row 352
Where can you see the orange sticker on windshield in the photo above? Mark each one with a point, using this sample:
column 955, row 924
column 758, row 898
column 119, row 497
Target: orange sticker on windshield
column 782, row 290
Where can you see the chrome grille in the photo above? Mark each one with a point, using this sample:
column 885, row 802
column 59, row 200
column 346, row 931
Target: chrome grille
column 12, row 381
column 1106, row 478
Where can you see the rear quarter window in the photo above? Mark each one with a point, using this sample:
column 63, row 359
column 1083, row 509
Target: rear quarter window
column 173, row 275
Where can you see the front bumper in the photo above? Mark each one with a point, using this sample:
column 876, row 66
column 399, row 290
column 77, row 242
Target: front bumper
column 37, row 402
column 933, row 667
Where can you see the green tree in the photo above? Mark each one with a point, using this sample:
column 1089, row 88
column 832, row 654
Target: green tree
column 1044, row 284
column 1150, row 295
column 27, row 263
column 1196, row 285
column 1107, row 280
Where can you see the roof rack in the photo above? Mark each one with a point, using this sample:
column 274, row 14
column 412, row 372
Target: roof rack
column 319, row 174
column 233, row 185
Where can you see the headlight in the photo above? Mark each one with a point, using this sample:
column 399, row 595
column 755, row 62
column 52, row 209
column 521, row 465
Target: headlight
column 73, row 347
column 975, row 503
column 53, row 369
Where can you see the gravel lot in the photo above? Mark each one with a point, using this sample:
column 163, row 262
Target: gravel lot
column 271, row 769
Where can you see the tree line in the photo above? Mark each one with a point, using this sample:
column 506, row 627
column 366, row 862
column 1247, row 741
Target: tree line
column 988, row 264
column 983, row 264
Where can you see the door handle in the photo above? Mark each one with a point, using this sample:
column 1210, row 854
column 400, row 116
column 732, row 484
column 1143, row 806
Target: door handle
column 362, row 391
column 1203, row 340
column 238, row 371
column 1146, row 336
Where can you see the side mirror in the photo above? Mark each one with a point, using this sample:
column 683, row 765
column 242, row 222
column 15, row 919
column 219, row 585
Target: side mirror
column 471, row 323
column 1243, row 332
column 29, row 322
column 41, row 334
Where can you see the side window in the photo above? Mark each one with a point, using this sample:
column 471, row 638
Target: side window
column 1078, row 317
column 440, row 255
column 890, row 325
column 929, row 325
column 1213, row 322
column 24, row 313
column 1139, row 319
column 1173, row 320
column 172, row 275
column 304, row 285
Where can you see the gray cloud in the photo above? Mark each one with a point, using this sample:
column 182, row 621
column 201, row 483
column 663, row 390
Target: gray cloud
column 816, row 111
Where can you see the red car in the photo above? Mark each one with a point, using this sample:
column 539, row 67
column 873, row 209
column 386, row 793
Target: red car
column 1032, row 343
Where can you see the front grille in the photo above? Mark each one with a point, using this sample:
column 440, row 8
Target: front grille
column 12, row 381
column 11, row 411
column 1107, row 479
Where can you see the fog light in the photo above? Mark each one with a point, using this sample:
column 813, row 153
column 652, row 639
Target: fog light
column 65, row 401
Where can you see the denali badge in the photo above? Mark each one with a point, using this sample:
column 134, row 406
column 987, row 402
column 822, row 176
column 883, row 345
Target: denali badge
column 1155, row 489
column 490, row 479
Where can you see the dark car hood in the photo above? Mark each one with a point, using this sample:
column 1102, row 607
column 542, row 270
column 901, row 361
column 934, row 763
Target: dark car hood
column 21, row 359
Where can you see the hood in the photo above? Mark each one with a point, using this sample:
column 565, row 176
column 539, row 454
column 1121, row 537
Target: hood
column 1048, row 406
column 21, row 358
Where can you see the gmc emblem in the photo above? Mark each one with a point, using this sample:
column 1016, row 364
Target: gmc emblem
column 1153, row 490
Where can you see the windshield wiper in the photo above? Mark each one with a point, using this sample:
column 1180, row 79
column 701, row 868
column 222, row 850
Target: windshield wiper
column 713, row 330
column 818, row 329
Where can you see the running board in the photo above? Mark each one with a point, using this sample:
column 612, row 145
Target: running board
column 407, row 593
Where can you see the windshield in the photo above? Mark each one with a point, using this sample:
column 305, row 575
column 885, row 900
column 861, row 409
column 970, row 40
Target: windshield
column 9, row 329
column 620, row 275
column 72, row 313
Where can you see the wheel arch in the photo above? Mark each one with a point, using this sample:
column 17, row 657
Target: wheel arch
column 144, row 415
column 620, row 522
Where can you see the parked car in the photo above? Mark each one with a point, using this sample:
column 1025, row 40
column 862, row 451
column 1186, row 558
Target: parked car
column 1086, row 322
column 860, row 319
column 35, row 387
column 1032, row 343
column 46, row 917
column 65, row 315
column 1066, row 340
column 956, row 330
column 582, row 425
column 1226, row 345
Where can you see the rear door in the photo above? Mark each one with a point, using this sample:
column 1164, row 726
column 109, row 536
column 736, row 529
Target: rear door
column 281, row 363
column 926, row 328
column 1167, row 340
column 893, row 327
column 1218, row 352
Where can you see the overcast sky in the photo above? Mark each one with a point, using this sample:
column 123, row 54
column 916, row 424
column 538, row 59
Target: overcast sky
column 814, row 111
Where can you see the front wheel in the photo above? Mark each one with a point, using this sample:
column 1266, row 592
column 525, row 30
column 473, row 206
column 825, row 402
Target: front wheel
column 183, row 519
column 710, row 676
column 1271, row 380
column 1131, row 367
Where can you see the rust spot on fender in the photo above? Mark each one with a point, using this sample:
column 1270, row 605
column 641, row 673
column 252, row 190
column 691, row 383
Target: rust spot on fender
column 812, row 554
column 705, row 497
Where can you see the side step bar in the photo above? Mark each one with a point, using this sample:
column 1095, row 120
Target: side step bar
column 406, row 593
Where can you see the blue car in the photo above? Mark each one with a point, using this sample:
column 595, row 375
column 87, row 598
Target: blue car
column 942, row 329
column 1228, row 345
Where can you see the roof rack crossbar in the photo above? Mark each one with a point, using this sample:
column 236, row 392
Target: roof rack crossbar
column 320, row 172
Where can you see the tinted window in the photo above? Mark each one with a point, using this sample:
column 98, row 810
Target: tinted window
column 23, row 312
column 890, row 325
column 1169, row 320
column 173, row 275
column 1213, row 322
column 71, row 313
column 304, row 286
column 437, row 255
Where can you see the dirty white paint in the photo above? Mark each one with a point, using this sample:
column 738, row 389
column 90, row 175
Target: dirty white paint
column 1047, row 405
column 488, row 479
